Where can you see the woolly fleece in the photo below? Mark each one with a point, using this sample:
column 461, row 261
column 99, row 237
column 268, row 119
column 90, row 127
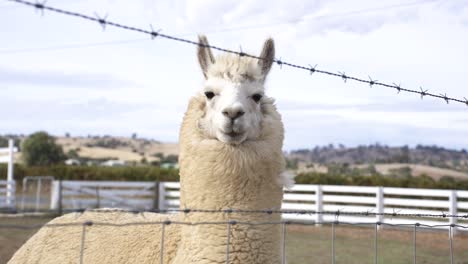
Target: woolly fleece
column 214, row 175
column 103, row 244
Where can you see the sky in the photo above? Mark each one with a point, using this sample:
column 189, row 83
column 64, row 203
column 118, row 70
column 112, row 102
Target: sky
column 64, row 74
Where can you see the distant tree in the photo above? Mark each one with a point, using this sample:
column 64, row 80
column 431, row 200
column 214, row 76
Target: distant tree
column 3, row 142
column 67, row 135
column 134, row 136
column 292, row 163
column 73, row 154
column 155, row 163
column 159, row 155
column 171, row 159
column 144, row 160
column 40, row 149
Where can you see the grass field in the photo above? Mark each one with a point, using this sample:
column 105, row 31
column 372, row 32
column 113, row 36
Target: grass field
column 314, row 245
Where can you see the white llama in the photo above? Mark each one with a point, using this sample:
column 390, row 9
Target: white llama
column 231, row 140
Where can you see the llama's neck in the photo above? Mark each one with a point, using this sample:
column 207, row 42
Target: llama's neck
column 217, row 176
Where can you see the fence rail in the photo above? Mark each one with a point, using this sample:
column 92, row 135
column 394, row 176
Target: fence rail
column 7, row 194
column 8, row 187
column 96, row 194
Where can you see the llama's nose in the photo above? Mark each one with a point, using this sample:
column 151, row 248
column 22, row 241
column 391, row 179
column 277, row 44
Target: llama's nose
column 233, row 113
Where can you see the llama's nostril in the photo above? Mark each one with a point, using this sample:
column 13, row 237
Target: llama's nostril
column 233, row 114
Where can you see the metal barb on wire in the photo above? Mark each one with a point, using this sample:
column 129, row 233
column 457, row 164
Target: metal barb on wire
column 369, row 211
column 241, row 53
column 443, row 214
column 40, row 6
column 372, row 82
column 102, row 20
column 343, row 76
column 337, row 215
column 280, row 63
column 394, row 213
column 154, row 33
column 312, row 69
column 398, row 87
column 423, row 92
column 466, row 101
column 444, row 96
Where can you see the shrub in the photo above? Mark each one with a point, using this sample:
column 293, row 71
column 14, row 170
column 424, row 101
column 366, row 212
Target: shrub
column 95, row 173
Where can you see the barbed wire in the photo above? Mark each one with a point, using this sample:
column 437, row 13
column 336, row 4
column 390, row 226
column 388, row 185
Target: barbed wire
column 336, row 213
column 229, row 222
column 41, row 6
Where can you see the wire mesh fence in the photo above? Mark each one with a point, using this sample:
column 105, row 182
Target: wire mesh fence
column 235, row 219
column 413, row 220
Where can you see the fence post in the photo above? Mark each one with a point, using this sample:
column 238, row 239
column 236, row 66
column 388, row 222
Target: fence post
column 23, row 194
column 318, row 204
column 54, row 196
column 156, row 196
column 60, row 195
column 38, row 194
column 10, row 185
column 379, row 203
column 98, row 198
column 161, row 196
column 453, row 211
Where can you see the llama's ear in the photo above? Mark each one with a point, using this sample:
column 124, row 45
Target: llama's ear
column 267, row 55
column 205, row 57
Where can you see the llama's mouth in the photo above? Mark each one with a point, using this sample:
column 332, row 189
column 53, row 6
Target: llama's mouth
column 232, row 137
column 234, row 134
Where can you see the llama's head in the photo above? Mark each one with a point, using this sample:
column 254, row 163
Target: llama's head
column 234, row 92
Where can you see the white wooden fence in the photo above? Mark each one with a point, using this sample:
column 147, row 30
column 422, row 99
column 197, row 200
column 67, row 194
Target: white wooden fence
column 7, row 194
column 358, row 199
column 8, row 187
column 165, row 195
column 98, row 194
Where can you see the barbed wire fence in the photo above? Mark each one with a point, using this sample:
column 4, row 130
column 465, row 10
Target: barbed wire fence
column 104, row 22
column 414, row 227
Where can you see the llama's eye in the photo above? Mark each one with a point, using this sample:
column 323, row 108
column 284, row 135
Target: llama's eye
column 209, row 95
column 256, row 97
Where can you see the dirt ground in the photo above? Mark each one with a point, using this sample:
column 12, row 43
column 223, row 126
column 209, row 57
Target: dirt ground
column 311, row 244
column 11, row 239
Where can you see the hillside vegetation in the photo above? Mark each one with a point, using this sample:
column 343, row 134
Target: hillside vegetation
column 101, row 148
column 421, row 166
